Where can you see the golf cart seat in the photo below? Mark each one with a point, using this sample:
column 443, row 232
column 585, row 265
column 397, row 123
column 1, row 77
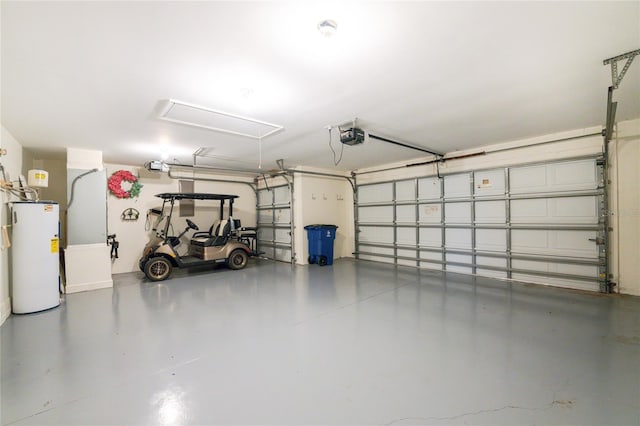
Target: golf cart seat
column 220, row 238
column 213, row 230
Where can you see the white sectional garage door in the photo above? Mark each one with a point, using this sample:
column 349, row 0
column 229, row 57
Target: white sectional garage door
column 274, row 222
column 539, row 223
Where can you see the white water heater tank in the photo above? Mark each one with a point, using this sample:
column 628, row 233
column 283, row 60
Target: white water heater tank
column 35, row 258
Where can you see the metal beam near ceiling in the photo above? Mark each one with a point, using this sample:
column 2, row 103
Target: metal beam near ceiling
column 616, row 78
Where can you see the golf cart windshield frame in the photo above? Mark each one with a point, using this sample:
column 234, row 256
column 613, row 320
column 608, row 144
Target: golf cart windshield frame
column 171, row 197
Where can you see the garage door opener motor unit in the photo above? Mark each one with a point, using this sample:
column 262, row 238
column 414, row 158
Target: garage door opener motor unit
column 352, row 136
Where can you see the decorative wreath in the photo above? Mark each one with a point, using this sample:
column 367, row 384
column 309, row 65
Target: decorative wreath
column 115, row 184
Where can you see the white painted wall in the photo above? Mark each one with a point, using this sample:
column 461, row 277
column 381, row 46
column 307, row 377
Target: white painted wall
column 575, row 143
column 244, row 207
column 12, row 163
column 625, row 206
column 323, row 200
column 133, row 235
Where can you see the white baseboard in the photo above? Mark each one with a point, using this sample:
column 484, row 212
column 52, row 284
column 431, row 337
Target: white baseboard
column 5, row 309
column 75, row 288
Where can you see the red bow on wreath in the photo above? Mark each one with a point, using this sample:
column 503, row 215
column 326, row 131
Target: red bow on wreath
column 115, row 184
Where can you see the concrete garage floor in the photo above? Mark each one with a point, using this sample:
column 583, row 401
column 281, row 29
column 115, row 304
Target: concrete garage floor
column 356, row 343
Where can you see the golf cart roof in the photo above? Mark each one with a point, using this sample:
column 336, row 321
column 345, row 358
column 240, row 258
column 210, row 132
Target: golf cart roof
column 195, row 196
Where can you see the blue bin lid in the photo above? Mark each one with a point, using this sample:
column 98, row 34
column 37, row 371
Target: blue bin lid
column 319, row 226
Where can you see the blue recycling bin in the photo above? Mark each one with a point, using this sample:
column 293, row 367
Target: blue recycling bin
column 321, row 243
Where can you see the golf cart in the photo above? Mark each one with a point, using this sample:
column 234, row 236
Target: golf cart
column 225, row 242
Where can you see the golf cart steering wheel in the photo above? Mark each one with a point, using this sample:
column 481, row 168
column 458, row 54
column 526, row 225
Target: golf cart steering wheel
column 192, row 225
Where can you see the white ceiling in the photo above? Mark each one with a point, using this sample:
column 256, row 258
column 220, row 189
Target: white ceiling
column 447, row 76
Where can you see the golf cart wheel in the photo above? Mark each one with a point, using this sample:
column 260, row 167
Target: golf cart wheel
column 157, row 269
column 238, row 259
column 322, row 261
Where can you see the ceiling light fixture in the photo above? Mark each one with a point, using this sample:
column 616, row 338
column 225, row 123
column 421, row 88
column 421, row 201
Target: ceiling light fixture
column 327, row 27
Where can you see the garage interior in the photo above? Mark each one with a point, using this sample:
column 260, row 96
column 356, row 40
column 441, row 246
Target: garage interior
column 479, row 160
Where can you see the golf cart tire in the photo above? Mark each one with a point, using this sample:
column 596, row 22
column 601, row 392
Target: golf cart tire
column 157, row 268
column 238, row 259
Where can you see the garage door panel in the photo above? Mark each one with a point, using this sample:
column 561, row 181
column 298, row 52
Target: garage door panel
column 499, row 216
column 489, row 182
column 555, row 177
column 495, row 262
column 574, row 175
column 430, row 213
column 529, row 241
column 267, row 251
column 559, row 268
column 431, row 237
column 281, row 195
column 283, row 236
column 409, row 254
column 490, row 212
column 556, row 282
column 576, row 210
column 458, row 238
column 577, row 242
column 274, row 223
column 457, row 213
column 282, row 254
column 433, row 256
column 528, row 179
column 406, row 190
column 265, row 234
column 529, row 211
column 564, row 268
column 459, row 258
column 491, row 240
column 376, row 214
column 406, row 214
column 429, row 189
column 373, row 234
column 265, row 198
column 376, row 258
column 282, row 216
column 265, row 216
column 431, row 266
column 380, row 250
column 457, row 186
column 554, row 243
column 406, row 236
column 375, row 193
